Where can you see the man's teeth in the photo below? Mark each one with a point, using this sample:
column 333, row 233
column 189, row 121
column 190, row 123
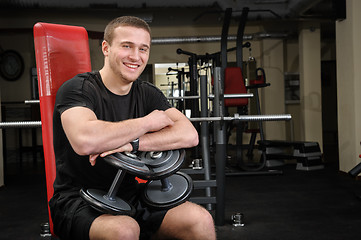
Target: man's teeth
column 131, row 66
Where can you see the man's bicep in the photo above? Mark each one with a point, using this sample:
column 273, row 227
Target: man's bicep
column 75, row 122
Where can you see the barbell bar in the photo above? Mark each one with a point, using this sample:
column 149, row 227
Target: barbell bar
column 23, row 124
column 244, row 118
column 211, row 96
column 32, row 101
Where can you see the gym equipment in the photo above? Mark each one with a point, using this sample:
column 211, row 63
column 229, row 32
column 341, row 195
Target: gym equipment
column 245, row 118
column 148, row 165
column 22, row 124
column 307, row 154
column 219, row 64
column 52, row 50
column 237, row 219
column 108, row 202
column 211, row 96
column 165, row 188
column 168, row 188
column 243, row 79
column 45, row 230
column 168, row 192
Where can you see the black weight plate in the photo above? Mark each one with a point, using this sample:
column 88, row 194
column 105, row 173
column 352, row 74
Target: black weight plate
column 163, row 159
column 174, row 163
column 131, row 165
column 129, row 158
column 154, row 197
column 171, row 162
column 96, row 199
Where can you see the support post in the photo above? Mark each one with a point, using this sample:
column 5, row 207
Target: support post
column 205, row 134
column 220, row 137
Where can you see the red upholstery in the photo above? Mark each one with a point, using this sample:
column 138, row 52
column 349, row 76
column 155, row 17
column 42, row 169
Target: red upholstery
column 234, row 84
column 258, row 81
column 61, row 52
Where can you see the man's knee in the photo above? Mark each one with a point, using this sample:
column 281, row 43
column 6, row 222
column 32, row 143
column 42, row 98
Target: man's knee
column 203, row 221
column 200, row 223
column 115, row 227
column 131, row 231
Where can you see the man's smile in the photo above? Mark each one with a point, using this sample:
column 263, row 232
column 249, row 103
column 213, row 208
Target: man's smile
column 133, row 66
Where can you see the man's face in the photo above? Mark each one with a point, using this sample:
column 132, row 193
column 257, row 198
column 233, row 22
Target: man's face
column 129, row 52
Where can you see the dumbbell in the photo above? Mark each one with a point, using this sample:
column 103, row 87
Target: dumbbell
column 163, row 190
column 108, row 202
column 170, row 189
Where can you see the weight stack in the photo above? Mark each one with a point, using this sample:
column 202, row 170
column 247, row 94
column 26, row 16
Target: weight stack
column 308, row 155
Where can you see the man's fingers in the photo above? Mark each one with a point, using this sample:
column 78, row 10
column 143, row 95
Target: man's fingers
column 104, row 154
column 92, row 159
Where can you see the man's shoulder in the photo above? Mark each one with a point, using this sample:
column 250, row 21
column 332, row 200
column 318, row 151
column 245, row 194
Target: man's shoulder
column 79, row 79
column 85, row 76
column 146, row 85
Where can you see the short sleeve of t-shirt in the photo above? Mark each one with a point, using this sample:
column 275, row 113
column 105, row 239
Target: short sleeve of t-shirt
column 74, row 93
column 153, row 98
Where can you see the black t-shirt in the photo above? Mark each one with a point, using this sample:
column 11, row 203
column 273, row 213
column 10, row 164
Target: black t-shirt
column 87, row 90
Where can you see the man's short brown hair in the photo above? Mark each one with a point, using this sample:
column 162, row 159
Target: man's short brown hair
column 130, row 21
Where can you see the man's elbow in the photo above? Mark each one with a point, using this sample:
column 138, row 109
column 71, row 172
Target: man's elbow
column 193, row 139
column 84, row 147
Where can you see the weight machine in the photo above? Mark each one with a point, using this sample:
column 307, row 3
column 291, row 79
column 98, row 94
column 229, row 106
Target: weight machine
column 219, row 118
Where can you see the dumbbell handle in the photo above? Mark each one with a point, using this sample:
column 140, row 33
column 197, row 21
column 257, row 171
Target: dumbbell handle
column 115, row 185
column 166, row 185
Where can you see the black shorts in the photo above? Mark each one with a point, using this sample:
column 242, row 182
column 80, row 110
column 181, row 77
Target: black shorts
column 72, row 216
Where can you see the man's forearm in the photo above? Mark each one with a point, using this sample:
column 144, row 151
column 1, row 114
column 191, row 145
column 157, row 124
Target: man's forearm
column 181, row 135
column 88, row 135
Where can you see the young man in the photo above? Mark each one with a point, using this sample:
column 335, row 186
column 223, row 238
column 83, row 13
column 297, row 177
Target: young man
column 100, row 113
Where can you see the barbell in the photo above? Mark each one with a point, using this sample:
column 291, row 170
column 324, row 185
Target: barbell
column 244, row 118
column 211, row 96
column 21, row 124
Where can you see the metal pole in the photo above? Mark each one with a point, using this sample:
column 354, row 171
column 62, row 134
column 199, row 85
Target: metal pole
column 240, row 33
column 211, row 96
column 220, row 133
column 32, row 101
column 245, row 118
column 205, row 135
column 24, row 124
column 194, row 91
column 220, row 137
column 202, row 39
column 111, row 195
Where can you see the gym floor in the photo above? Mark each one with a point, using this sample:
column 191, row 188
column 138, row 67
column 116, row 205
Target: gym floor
column 322, row 204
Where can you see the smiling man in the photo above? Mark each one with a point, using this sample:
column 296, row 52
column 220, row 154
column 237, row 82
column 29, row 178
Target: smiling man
column 102, row 112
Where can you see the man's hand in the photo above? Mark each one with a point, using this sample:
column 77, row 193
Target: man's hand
column 157, row 120
column 126, row 148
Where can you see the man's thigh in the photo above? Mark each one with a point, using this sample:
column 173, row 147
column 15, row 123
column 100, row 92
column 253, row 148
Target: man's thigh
column 179, row 222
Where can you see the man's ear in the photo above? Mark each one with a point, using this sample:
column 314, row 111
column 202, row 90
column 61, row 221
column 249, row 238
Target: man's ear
column 105, row 47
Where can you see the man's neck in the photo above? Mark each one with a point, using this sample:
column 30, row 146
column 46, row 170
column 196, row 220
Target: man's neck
column 114, row 83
